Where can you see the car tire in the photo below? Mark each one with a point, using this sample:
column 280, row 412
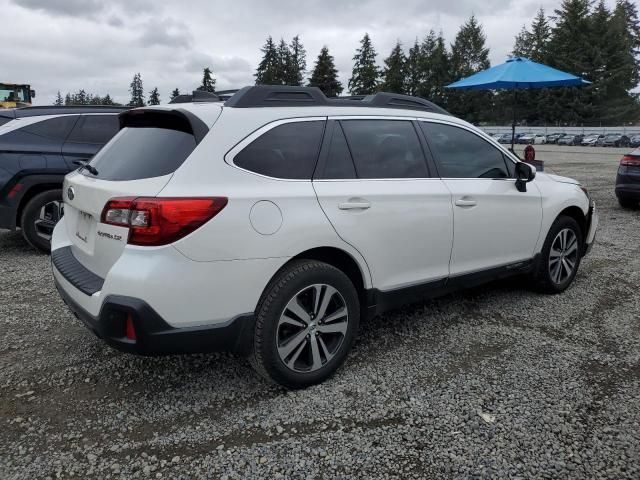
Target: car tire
column 628, row 203
column 39, row 217
column 559, row 252
column 292, row 345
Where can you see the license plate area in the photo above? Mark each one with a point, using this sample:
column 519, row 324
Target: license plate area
column 83, row 227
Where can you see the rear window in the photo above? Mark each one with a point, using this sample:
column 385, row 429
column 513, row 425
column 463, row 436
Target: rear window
column 136, row 153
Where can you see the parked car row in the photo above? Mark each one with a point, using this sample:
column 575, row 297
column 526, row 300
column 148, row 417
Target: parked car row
column 562, row 138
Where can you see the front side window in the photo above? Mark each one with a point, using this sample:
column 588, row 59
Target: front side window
column 96, row 129
column 385, row 149
column 460, row 153
column 288, row 151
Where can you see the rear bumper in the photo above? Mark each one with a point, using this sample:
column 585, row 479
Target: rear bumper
column 630, row 191
column 153, row 335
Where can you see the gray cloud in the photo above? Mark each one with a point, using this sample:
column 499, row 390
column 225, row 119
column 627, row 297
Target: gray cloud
column 73, row 8
column 166, row 32
column 98, row 45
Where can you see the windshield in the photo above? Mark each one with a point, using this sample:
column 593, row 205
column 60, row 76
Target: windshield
column 11, row 93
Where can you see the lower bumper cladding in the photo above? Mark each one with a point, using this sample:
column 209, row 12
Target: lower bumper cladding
column 152, row 336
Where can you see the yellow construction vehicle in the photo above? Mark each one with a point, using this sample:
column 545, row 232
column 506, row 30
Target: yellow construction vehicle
column 14, row 95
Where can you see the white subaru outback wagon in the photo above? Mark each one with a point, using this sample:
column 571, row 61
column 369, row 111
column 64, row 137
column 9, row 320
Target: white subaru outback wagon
column 273, row 223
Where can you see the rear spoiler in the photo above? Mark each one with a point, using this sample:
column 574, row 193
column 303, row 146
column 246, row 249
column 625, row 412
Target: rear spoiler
column 173, row 119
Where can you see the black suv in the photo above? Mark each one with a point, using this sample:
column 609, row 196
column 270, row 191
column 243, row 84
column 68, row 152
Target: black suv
column 38, row 147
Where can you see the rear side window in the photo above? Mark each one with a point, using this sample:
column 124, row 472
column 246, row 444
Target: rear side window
column 287, row 151
column 462, row 154
column 385, row 149
column 143, row 152
column 54, row 128
column 94, row 129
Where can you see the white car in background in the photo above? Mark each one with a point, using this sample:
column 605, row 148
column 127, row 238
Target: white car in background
column 591, row 140
column 533, row 139
column 274, row 223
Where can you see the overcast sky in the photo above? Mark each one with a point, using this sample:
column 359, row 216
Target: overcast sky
column 99, row 44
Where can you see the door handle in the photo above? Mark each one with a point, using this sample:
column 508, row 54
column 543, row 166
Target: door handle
column 361, row 205
column 466, row 202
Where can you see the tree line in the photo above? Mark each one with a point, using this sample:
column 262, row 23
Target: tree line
column 586, row 39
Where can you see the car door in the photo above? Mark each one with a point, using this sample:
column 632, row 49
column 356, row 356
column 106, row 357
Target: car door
column 494, row 224
column 373, row 184
column 88, row 136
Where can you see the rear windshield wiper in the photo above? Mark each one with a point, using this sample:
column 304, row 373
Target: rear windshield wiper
column 84, row 165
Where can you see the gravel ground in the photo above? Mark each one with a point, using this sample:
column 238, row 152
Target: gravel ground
column 493, row 382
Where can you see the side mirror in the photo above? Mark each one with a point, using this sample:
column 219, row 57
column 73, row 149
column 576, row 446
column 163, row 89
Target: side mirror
column 33, row 93
column 524, row 174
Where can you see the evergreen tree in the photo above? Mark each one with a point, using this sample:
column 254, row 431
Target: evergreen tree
column 208, row 81
column 394, row 73
column 436, row 68
column 268, row 71
column 628, row 12
column 571, row 45
column 468, row 56
column 154, row 97
column 107, row 100
column 297, row 63
column 364, row 77
column 325, row 75
column 67, row 99
column 522, row 44
column 616, row 72
column 414, row 73
column 175, row 93
column 284, row 62
column 539, row 37
column 59, row 101
column 137, row 92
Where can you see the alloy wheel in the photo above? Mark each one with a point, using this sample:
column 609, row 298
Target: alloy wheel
column 49, row 215
column 312, row 328
column 563, row 256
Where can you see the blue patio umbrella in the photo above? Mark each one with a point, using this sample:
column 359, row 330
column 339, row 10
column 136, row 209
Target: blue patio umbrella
column 518, row 73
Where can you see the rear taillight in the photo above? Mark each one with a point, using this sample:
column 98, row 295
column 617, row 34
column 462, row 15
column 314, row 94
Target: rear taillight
column 160, row 221
column 630, row 161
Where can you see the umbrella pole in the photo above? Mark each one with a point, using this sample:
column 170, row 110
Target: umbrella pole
column 513, row 125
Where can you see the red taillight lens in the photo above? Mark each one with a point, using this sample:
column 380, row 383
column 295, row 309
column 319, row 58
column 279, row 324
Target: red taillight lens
column 160, row 221
column 15, row 190
column 630, row 161
column 129, row 328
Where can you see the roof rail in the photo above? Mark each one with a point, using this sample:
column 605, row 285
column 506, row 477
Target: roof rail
column 276, row 95
column 226, row 94
column 196, row 96
column 290, row 96
column 67, row 109
column 396, row 100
